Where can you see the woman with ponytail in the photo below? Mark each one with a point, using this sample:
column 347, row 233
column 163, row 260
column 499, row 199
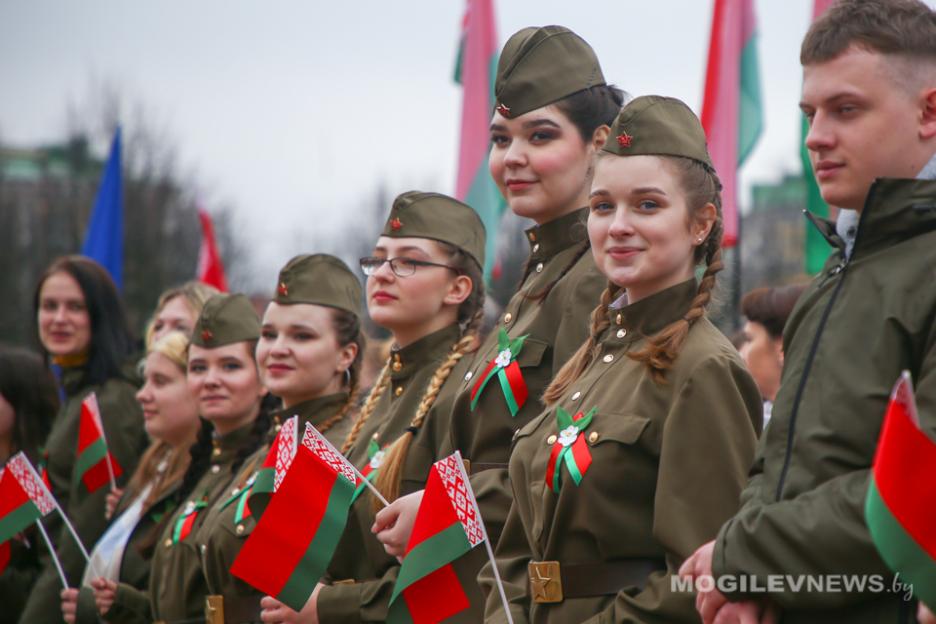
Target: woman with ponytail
column 309, row 356
column 424, row 285
column 650, row 428
column 223, row 377
column 124, row 553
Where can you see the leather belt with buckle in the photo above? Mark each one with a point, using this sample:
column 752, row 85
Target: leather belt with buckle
column 551, row 582
column 214, row 609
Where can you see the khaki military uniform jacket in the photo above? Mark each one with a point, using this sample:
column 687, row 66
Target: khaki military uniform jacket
column 221, row 537
column 126, row 439
column 177, row 586
column 360, row 557
column 860, row 323
column 668, row 464
column 555, row 328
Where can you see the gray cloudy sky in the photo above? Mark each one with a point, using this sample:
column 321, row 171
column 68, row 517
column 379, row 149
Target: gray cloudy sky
column 294, row 110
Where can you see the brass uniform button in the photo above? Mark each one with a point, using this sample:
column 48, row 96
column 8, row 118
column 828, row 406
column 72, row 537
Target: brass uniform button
column 215, row 469
column 576, row 395
column 508, row 317
column 398, row 391
column 539, row 267
column 469, row 375
column 619, row 319
column 621, row 333
column 535, row 247
column 531, row 236
column 277, row 427
column 397, row 367
column 240, row 529
column 608, row 358
column 551, row 440
column 215, row 452
column 593, row 437
column 168, row 542
column 375, row 436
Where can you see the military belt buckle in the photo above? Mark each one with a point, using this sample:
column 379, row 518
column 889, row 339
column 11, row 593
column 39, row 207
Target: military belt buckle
column 214, row 609
column 545, row 581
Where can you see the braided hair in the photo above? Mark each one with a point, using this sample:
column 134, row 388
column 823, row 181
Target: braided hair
column 702, row 187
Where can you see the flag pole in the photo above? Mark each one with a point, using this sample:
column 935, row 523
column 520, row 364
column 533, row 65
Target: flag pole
column 487, row 542
column 370, row 486
column 331, row 447
column 55, row 559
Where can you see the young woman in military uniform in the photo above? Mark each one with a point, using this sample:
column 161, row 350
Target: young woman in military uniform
column 424, row 285
column 552, row 116
column 223, row 376
column 650, row 428
column 309, row 355
column 82, row 328
column 124, row 552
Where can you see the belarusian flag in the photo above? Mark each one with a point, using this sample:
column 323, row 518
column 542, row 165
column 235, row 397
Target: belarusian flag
column 476, row 70
column 23, row 497
column 448, row 525
column 271, row 472
column 901, row 498
column 731, row 108
column 817, row 248
column 94, row 465
column 290, row 548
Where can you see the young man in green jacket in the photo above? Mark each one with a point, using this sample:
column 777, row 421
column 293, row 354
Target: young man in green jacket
column 869, row 94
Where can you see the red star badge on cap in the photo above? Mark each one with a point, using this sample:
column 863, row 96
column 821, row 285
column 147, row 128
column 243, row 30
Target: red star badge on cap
column 206, row 335
column 282, row 290
column 395, row 224
column 503, row 109
column 624, row 139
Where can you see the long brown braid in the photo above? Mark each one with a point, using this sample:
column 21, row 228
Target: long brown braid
column 383, row 380
column 586, row 354
column 702, row 187
column 470, row 315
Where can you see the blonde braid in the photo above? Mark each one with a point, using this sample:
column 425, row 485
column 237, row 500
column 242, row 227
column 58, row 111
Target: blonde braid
column 391, row 468
column 577, row 364
column 383, row 380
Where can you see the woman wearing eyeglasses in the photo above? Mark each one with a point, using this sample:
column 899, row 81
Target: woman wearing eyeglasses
column 424, row 285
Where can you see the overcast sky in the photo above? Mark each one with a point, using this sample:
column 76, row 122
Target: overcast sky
column 294, row 110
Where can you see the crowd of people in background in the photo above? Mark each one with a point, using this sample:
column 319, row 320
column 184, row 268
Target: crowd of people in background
column 631, row 446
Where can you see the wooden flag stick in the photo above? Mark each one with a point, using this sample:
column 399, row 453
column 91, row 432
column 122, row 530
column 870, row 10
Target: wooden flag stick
column 55, row 559
column 370, row 485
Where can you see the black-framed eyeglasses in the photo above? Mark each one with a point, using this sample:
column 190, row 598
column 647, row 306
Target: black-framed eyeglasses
column 401, row 267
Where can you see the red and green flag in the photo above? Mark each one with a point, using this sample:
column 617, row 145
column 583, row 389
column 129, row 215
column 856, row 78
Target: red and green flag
column 817, row 248
column 448, row 525
column 732, row 114
column 266, row 480
column 900, row 508
column 94, row 464
column 476, row 70
column 294, row 540
column 23, row 497
column 505, row 368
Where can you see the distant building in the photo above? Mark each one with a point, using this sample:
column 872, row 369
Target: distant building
column 773, row 234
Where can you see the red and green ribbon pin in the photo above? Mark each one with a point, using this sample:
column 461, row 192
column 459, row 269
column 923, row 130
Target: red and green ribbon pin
column 505, row 367
column 569, row 448
column 185, row 521
column 375, row 457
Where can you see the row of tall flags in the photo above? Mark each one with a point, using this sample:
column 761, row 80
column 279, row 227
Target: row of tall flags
column 732, row 115
column 292, row 544
column 104, row 237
